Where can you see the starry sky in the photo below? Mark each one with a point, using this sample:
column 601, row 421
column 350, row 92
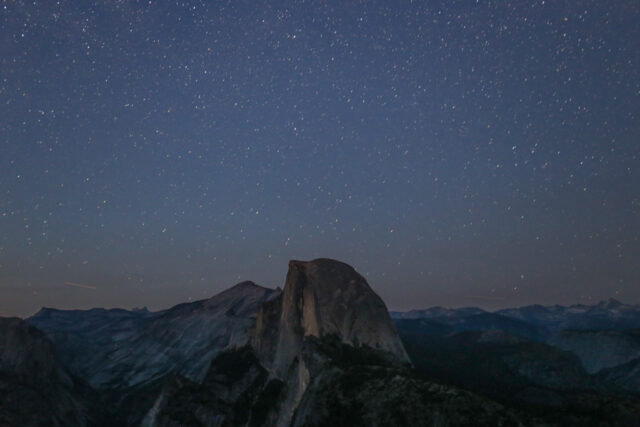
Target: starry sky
column 454, row 152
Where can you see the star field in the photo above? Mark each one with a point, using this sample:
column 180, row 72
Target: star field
column 456, row 153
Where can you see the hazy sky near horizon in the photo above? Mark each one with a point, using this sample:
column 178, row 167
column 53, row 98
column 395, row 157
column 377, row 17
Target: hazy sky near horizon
column 454, row 152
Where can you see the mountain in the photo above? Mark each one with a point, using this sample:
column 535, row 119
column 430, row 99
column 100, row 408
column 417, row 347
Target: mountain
column 606, row 315
column 531, row 376
column 120, row 348
column 34, row 389
column 321, row 298
column 600, row 335
column 474, row 319
column 625, row 376
column 437, row 312
column 600, row 349
column 493, row 355
column 128, row 356
column 323, row 352
column 88, row 342
column 497, row 322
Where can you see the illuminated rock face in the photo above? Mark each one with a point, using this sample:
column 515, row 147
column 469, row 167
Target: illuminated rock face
column 322, row 298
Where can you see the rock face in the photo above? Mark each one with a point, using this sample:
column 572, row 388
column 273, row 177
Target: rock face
column 121, row 348
column 34, row 389
column 128, row 356
column 322, row 298
column 92, row 343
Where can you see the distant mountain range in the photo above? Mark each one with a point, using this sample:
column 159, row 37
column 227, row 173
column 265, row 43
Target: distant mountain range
column 543, row 359
column 323, row 350
column 605, row 315
column 603, row 335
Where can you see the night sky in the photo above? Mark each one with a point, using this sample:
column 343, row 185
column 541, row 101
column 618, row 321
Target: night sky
column 454, row 152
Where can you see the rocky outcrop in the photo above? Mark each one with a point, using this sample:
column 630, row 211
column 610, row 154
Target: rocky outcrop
column 323, row 298
column 34, row 389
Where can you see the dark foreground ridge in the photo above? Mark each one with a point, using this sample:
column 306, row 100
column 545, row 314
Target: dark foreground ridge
column 322, row 351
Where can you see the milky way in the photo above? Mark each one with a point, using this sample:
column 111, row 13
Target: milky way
column 455, row 152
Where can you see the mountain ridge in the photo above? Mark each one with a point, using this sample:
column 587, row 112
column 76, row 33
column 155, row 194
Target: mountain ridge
column 324, row 349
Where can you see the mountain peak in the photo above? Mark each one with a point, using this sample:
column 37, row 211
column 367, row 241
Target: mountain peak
column 611, row 303
column 247, row 284
column 240, row 297
column 238, row 290
column 45, row 310
column 323, row 297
